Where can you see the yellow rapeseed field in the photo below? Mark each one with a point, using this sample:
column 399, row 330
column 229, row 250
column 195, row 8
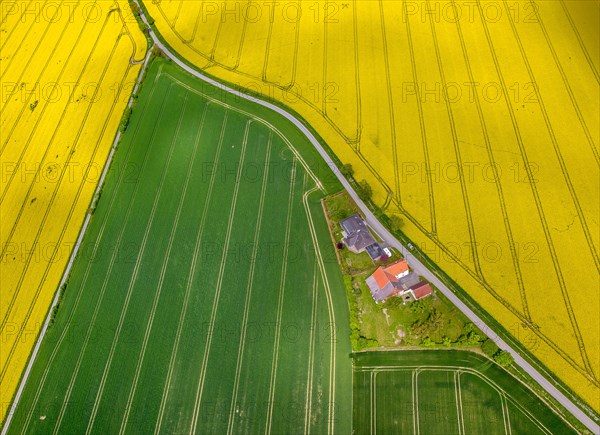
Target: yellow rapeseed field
column 67, row 71
column 476, row 121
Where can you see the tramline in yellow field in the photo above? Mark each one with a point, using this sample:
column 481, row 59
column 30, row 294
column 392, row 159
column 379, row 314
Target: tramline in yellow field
column 67, row 72
column 477, row 122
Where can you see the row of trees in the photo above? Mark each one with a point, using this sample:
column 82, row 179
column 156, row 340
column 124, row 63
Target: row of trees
column 61, row 296
column 358, row 341
column 502, row 357
column 426, row 332
column 422, row 332
column 365, row 192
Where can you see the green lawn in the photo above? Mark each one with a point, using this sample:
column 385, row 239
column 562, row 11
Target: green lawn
column 207, row 296
column 339, row 206
column 393, row 323
column 383, row 321
column 444, row 392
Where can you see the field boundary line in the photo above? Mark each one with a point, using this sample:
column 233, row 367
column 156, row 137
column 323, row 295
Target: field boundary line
column 260, row 120
column 207, row 345
column 311, row 350
column 390, row 101
column 134, row 275
column 497, row 178
column 415, row 392
column 42, row 225
column 249, row 288
column 371, row 401
column 6, row 67
column 422, row 128
column 102, row 291
column 331, row 312
column 190, row 279
column 567, row 85
column 471, row 371
column 277, row 85
column 275, row 359
column 458, row 154
column 459, row 406
column 505, row 414
column 586, row 369
column 163, row 272
column 85, row 278
column 67, row 270
column 580, row 40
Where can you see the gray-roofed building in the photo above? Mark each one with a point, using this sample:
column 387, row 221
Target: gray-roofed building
column 358, row 242
column 381, row 293
column 353, row 224
column 358, row 237
column 408, row 281
column 374, row 251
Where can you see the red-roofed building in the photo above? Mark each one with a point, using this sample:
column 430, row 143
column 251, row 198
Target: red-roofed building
column 396, row 279
column 421, row 290
column 398, row 269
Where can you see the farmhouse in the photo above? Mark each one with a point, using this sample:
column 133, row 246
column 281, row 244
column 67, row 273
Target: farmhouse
column 358, row 238
column 397, row 280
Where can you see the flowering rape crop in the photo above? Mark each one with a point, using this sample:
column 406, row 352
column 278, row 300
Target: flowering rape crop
column 67, row 72
column 475, row 121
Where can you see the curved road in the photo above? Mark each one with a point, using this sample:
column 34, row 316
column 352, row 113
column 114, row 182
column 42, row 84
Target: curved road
column 389, row 238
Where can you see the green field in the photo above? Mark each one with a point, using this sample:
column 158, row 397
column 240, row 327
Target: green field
column 444, row 392
column 206, row 296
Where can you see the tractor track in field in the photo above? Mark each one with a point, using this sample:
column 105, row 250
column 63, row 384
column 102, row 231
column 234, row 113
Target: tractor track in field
column 457, row 372
column 419, row 267
column 217, row 295
column 163, row 272
column 249, row 288
column 189, row 282
column 374, row 223
column 55, row 301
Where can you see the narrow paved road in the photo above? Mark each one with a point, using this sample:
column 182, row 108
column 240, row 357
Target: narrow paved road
column 390, row 239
